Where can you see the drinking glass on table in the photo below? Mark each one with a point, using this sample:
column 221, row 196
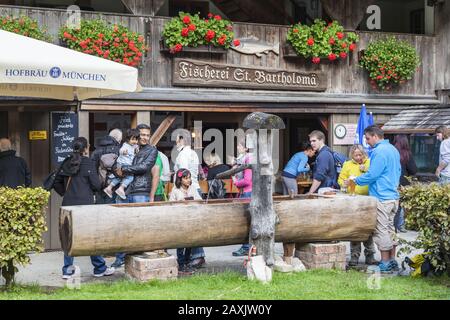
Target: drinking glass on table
column 351, row 186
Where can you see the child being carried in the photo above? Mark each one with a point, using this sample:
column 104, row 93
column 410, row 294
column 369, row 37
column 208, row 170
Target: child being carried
column 126, row 156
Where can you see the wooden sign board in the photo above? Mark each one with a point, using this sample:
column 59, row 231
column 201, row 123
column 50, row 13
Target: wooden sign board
column 37, row 135
column 187, row 72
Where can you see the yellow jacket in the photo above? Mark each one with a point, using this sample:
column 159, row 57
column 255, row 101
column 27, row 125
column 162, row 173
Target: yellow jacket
column 351, row 168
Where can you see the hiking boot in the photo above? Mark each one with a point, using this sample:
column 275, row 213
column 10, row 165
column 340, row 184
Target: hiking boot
column 241, row 252
column 121, row 193
column 370, row 260
column 353, row 262
column 185, row 270
column 109, row 271
column 385, row 267
column 197, row 263
column 118, row 263
column 108, row 191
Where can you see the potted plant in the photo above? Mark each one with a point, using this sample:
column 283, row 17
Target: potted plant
column 112, row 42
column 192, row 33
column 24, row 26
column 321, row 41
column 389, row 62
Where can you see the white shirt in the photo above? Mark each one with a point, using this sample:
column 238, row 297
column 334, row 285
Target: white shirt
column 165, row 175
column 179, row 194
column 188, row 159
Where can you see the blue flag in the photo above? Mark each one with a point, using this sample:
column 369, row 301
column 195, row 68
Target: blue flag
column 363, row 123
column 371, row 122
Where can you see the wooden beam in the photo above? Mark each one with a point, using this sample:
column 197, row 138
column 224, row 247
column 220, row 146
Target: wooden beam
column 102, row 229
column 161, row 130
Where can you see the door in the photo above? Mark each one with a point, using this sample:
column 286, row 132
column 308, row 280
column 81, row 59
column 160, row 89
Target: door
column 40, row 166
column 3, row 124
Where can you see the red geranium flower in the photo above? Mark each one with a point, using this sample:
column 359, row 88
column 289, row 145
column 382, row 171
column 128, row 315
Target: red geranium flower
column 344, row 45
column 185, row 32
column 343, row 55
column 310, row 42
column 210, row 34
column 316, row 60
column 178, row 47
column 186, row 20
column 332, row 57
column 332, row 41
column 218, row 17
column 352, row 47
column 221, row 41
column 236, row 42
column 340, row 35
column 192, row 27
column 210, row 15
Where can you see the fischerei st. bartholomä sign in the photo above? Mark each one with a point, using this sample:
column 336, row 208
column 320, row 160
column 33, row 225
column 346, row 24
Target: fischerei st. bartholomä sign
column 187, row 72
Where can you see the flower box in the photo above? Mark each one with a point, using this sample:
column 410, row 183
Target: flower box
column 290, row 53
column 200, row 49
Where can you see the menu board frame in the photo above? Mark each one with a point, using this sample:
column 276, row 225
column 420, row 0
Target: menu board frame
column 62, row 140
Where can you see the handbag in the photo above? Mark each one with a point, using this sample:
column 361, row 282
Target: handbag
column 49, row 181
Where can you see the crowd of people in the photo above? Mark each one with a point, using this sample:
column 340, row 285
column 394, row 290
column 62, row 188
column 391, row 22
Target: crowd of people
column 389, row 167
column 131, row 170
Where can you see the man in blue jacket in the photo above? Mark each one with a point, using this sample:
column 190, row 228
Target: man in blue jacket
column 383, row 179
column 324, row 172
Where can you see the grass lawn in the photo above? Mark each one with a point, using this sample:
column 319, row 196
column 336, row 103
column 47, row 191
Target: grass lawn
column 314, row 284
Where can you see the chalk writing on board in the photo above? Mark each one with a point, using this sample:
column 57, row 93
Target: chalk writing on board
column 64, row 132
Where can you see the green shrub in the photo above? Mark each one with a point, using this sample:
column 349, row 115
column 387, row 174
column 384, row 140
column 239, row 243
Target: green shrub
column 22, row 222
column 427, row 208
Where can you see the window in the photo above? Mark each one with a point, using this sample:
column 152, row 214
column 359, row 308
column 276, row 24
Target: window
column 403, row 16
column 425, row 150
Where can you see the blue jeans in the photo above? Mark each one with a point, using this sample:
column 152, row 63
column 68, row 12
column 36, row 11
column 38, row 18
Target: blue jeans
column 399, row 219
column 97, row 261
column 246, row 195
column 134, row 199
column 124, row 181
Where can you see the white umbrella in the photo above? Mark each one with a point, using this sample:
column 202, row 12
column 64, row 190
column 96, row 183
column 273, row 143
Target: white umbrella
column 34, row 68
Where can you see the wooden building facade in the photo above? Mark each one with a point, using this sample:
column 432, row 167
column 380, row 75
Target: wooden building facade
column 346, row 85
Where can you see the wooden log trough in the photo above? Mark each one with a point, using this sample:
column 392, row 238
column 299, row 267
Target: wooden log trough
column 103, row 229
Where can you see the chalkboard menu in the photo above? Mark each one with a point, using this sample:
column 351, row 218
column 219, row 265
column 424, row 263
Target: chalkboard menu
column 64, row 132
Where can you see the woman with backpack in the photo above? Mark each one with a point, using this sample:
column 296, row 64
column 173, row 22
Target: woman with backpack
column 76, row 182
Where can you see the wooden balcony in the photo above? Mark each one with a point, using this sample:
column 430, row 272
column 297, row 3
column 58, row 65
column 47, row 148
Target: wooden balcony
column 343, row 77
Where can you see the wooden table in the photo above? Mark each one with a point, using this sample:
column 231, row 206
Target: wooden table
column 229, row 186
column 303, row 185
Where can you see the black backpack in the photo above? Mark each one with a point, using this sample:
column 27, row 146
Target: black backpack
column 216, row 189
